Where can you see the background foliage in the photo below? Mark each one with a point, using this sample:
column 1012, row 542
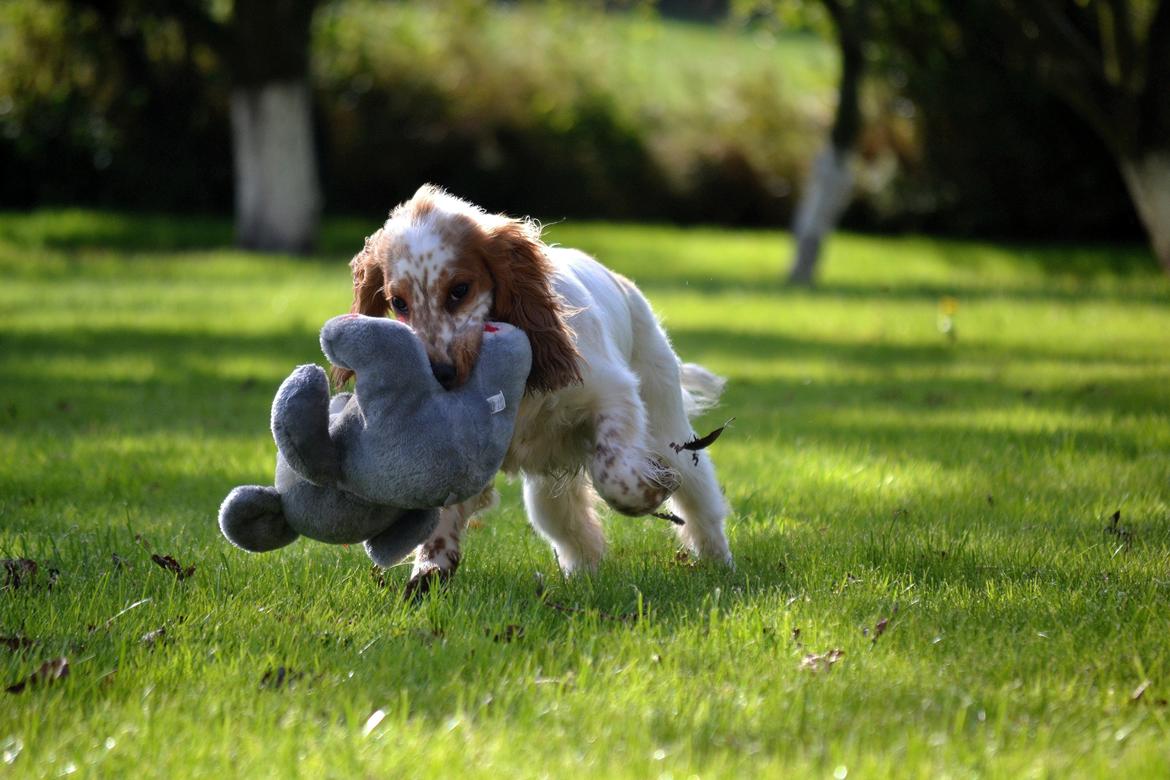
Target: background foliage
column 557, row 110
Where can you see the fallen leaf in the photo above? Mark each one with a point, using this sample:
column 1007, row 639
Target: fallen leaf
column 152, row 638
column 170, row 564
column 818, row 662
column 880, row 628
column 1139, row 691
column 17, row 571
column 280, row 677
column 50, row 671
column 510, row 633
column 15, row 643
column 379, row 575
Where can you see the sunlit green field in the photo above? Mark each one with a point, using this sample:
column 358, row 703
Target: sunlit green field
column 936, row 508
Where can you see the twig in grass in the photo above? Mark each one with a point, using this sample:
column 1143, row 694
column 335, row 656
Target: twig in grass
column 110, row 622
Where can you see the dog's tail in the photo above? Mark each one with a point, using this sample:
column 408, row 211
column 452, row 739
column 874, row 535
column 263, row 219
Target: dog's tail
column 701, row 388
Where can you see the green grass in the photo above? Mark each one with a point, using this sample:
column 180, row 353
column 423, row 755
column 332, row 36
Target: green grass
column 878, row 471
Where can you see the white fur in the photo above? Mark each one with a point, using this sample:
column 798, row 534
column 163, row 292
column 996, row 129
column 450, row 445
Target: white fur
column 611, row 435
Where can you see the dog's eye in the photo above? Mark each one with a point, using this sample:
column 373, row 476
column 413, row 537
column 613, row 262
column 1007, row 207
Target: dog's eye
column 459, row 291
column 399, row 305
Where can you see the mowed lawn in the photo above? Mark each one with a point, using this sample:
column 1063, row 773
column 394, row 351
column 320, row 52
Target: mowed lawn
column 937, row 510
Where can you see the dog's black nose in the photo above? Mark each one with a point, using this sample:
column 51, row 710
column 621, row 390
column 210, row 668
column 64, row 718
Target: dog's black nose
column 445, row 373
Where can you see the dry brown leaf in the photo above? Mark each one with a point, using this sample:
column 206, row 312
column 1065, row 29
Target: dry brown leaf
column 171, row 565
column 50, row 671
column 16, row 643
column 280, row 677
column 821, row 662
column 510, row 633
column 17, row 571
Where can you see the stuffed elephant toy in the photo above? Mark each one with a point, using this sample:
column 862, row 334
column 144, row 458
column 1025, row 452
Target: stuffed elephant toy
column 373, row 465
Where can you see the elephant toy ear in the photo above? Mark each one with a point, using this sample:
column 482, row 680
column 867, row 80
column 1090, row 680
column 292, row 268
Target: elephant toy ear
column 381, row 351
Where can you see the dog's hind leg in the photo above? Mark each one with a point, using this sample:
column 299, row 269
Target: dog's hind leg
column 671, row 393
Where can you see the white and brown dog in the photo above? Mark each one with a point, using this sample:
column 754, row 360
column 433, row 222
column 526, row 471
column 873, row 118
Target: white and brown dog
column 606, row 398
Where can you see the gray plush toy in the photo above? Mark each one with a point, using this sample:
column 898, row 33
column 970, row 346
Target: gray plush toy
column 371, row 466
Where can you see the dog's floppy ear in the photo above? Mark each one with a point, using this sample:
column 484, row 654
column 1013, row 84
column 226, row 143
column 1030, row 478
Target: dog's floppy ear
column 524, row 297
column 369, row 292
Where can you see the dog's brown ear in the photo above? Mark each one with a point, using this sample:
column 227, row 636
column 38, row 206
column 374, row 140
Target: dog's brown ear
column 524, row 297
column 369, row 292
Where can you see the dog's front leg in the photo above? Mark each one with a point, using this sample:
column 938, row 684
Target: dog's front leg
column 436, row 559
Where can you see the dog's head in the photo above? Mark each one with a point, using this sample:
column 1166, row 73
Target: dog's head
column 444, row 267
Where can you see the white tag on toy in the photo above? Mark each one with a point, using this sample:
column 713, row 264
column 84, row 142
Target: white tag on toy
column 496, row 402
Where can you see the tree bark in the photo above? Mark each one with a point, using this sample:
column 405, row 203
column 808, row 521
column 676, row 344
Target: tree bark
column 278, row 200
column 1147, row 177
column 826, row 194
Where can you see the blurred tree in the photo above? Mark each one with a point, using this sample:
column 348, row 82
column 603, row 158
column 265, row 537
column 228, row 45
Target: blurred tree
column 830, row 182
column 264, row 46
column 1107, row 60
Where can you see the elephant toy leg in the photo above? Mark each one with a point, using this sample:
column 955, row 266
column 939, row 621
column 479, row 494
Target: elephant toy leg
column 395, row 543
column 251, row 517
column 300, row 425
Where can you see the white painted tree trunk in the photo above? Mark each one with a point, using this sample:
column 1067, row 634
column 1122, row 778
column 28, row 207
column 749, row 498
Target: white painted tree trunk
column 827, row 193
column 278, row 200
column 1148, row 180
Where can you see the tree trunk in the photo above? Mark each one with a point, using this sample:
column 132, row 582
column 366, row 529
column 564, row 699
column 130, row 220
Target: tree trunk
column 278, row 198
column 831, row 181
column 1147, row 177
column 825, row 197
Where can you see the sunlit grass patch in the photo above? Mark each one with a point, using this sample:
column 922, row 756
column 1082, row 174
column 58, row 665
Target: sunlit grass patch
column 956, row 490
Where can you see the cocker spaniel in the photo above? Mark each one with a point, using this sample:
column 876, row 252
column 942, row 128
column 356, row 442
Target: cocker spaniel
column 606, row 398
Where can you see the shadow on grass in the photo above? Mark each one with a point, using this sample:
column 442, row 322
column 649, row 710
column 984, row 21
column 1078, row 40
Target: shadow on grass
column 129, row 232
column 1155, row 293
